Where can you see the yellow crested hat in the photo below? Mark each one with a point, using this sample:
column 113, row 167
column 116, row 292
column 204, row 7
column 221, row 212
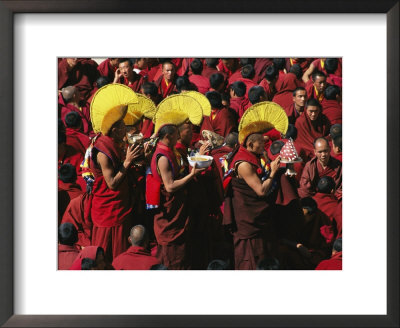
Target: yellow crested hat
column 261, row 118
column 170, row 118
column 109, row 105
column 202, row 99
column 145, row 107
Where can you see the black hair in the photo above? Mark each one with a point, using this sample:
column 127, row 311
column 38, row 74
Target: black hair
column 269, row 263
column 73, row 120
column 247, row 61
column 196, row 66
column 225, row 97
column 102, row 81
column 279, row 63
column 337, row 245
column 158, row 267
column 337, row 142
column 165, row 130
column 291, row 132
column 215, row 99
column 182, row 83
column 232, row 139
column 62, row 137
column 212, row 62
column 325, row 185
column 149, row 88
column 331, row 65
column 335, row 130
column 88, row 264
column 239, row 88
column 296, row 70
column 248, row 71
column 313, row 102
column 216, row 80
column 271, row 73
column 331, row 92
column 218, row 265
column 165, row 60
column 67, row 173
column 309, row 204
column 67, row 234
column 317, row 73
column 298, row 89
column 255, row 94
column 123, row 60
column 276, row 147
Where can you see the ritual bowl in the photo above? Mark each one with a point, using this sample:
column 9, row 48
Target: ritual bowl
column 202, row 161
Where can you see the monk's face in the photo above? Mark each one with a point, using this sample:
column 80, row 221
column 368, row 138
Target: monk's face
column 119, row 130
column 257, row 146
column 126, row 69
column 173, row 138
column 320, row 83
column 300, row 98
column 322, row 151
column 168, row 71
column 72, row 62
column 186, row 134
column 313, row 112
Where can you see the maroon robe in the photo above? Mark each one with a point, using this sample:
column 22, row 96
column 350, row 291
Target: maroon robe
column 208, row 71
column 292, row 113
column 307, row 132
column 327, row 204
column 154, row 73
column 218, row 153
column 303, row 62
column 202, row 83
column 332, row 110
column 67, row 255
column 84, row 113
column 107, row 70
column 136, row 82
column 318, row 66
column 134, row 258
column 239, row 105
column 285, row 88
column 77, row 140
column 73, row 190
column 269, row 89
column 249, row 84
column 89, row 252
column 147, row 128
column 260, row 67
column 74, row 157
column 163, row 89
column 338, row 219
column 235, row 76
column 222, row 123
column 334, row 263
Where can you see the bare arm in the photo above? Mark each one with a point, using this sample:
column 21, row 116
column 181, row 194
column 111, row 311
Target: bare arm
column 117, row 76
column 308, row 72
column 170, row 184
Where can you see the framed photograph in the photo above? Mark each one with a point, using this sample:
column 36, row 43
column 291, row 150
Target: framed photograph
column 34, row 34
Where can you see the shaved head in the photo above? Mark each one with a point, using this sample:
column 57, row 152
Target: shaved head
column 68, row 93
column 138, row 236
column 321, row 142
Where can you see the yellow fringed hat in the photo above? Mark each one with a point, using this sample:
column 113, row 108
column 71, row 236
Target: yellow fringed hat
column 144, row 107
column 109, row 105
column 261, row 118
column 202, row 99
column 174, row 108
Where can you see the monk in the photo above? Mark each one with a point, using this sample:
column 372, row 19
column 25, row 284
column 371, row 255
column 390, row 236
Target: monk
column 316, row 87
column 71, row 98
column 304, row 63
column 202, row 83
column 229, row 66
column 220, row 154
column 285, row 87
column 126, row 75
column 331, row 68
column 140, row 66
column 108, row 67
column 166, row 82
column 337, row 148
column 217, row 82
column 112, row 204
column 335, row 262
column 67, row 182
column 331, row 104
column 211, row 68
column 321, row 165
column 247, row 75
column 319, row 65
column 297, row 107
column 257, row 94
column 311, row 125
column 67, row 248
column 137, row 256
column 238, row 102
column 182, row 83
column 91, row 258
column 221, row 120
column 100, row 82
column 280, row 64
column 269, row 81
column 172, row 218
column 326, row 201
column 75, row 137
column 260, row 66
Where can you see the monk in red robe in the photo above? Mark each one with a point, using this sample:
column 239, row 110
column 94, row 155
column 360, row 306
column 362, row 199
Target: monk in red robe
column 111, row 210
column 67, row 182
column 321, row 165
column 108, row 67
column 269, row 82
column 220, row 154
column 75, row 137
column 335, row 262
column 211, row 68
column 331, row 104
column 166, row 82
column 218, row 83
column 238, row 102
column 78, row 72
column 137, row 256
column 100, row 82
column 316, row 86
column 304, row 63
column 229, row 66
column 311, row 125
column 221, row 120
column 297, row 107
column 247, row 77
column 257, row 94
column 260, row 66
column 91, row 258
column 140, row 67
column 202, row 83
column 285, row 88
column 154, row 69
column 67, row 248
column 337, row 148
column 126, row 75
column 319, row 65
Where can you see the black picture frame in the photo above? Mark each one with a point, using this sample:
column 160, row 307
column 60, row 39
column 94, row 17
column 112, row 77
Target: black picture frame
column 7, row 11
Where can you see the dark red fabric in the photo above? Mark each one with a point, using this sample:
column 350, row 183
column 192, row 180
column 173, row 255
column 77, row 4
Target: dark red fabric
column 285, row 88
column 334, row 263
column 235, row 76
column 67, row 255
column 208, row 71
column 272, row 135
column 202, row 83
column 163, row 89
column 74, row 157
column 307, row 132
column 249, row 84
column 175, row 256
column 338, row 219
column 134, row 258
column 222, row 68
column 334, row 80
column 77, row 140
column 332, row 110
column 107, row 70
column 248, row 252
column 223, row 123
column 78, row 214
column 292, row 113
column 269, row 89
column 239, row 105
column 147, row 128
column 89, row 252
column 154, row 73
column 318, row 66
column 109, row 207
column 327, row 204
column 84, row 113
column 73, row 190
column 303, row 62
column 260, row 67
column 219, row 153
column 136, row 82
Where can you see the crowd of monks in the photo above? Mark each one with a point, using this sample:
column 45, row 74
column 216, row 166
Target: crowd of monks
column 144, row 207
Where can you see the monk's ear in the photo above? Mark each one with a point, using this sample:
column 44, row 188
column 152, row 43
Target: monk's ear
column 130, row 240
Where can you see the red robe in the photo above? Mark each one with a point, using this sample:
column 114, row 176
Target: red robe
column 239, row 106
column 318, row 63
column 222, row 123
column 249, row 84
column 338, row 219
column 107, row 70
column 208, row 71
column 334, row 263
column 201, row 82
column 292, row 113
column 307, row 132
column 73, row 190
column 163, row 89
column 235, row 76
column 147, row 128
column 222, row 68
column 269, row 90
column 303, row 62
column 332, row 110
column 134, row 258
column 89, row 252
column 67, row 255
column 218, row 153
column 77, row 140
column 154, row 73
column 74, row 157
column 136, row 82
column 84, row 113
column 327, row 204
column 260, row 67
column 285, row 88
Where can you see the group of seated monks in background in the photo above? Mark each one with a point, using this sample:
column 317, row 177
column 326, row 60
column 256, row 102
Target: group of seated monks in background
column 261, row 221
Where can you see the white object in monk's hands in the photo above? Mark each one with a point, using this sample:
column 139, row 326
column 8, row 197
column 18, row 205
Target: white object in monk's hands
column 134, row 138
column 201, row 161
column 289, row 156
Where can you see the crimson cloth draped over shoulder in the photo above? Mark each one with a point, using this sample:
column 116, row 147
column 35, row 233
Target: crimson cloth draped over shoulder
column 73, row 190
column 202, row 83
column 84, row 113
column 208, row 71
column 107, row 70
column 292, row 113
column 269, row 89
column 163, row 89
column 285, row 88
column 334, row 263
column 260, row 67
column 67, row 255
column 239, row 105
column 307, row 132
column 77, row 140
column 136, row 82
column 332, row 110
column 318, row 63
column 74, row 157
column 89, row 252
column 303, row 62
column 223, row 123
column 135, row 258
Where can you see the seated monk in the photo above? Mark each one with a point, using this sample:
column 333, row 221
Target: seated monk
column 284, row 89
column 126, row 75
column 337, row 147
column 247, row 75
column 183, row 83
column 100, row 82
column 217, row 82
column 238, row 101
column 316, row 86
column 221, row 121
column 67, row 182
column 96, row 255
column 269, row 82
column 67, row 248
column 331, row 104
column 166, row 82
column 211, row 68
column 257, row 94
column 108, row 67
column 260, row 66
column 319, row 65
column 304, row 63
column 75, row 138
column 325, row 196
column 202, row 83
column 280, row 65
column 229, row 66
column 137, row 256
column 296, row 108
column 321, row 165
column 331, row 68
column 335, row 262
column 310, row 126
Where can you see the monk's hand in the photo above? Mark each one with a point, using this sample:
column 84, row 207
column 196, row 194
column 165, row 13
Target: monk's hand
column 204, row 148
column 117, row 75
column 195, row 171
column 303, row 250
column 148, row 149
column 133, row 152
column 275, row 165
